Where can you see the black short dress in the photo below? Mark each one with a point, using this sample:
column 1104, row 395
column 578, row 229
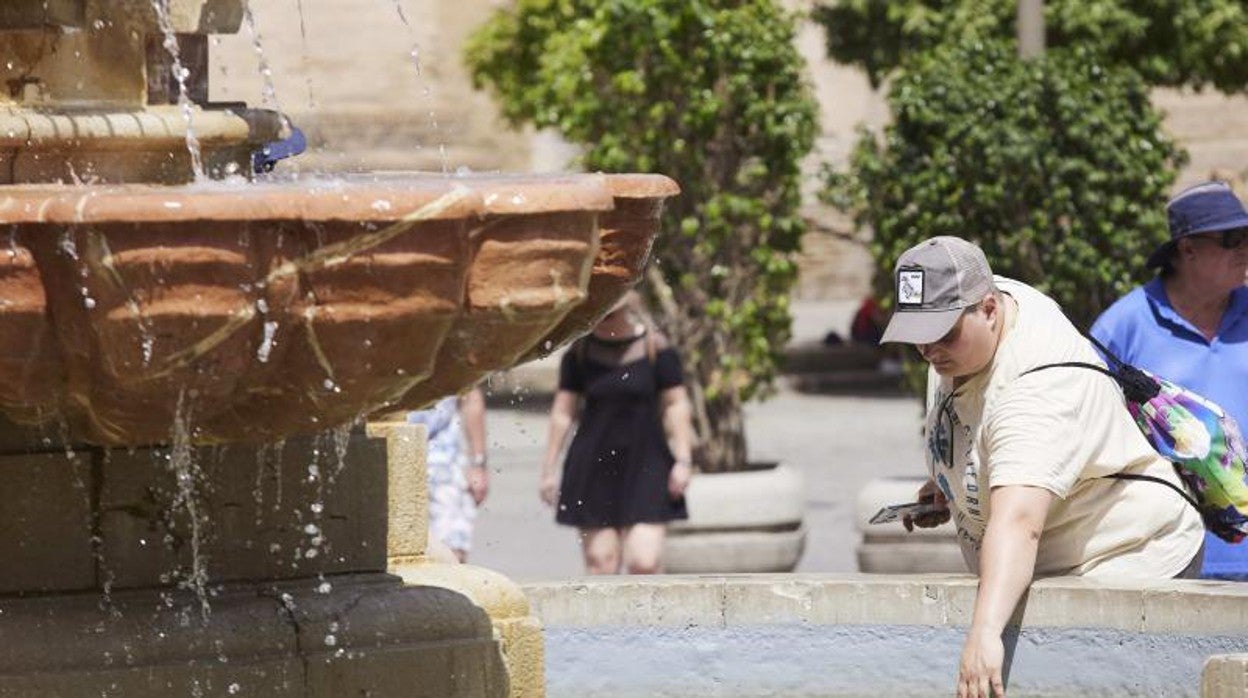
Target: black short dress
column 617, row 466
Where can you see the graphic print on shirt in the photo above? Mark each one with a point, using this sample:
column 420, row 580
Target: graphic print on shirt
column 938, row 435
column 948, row 435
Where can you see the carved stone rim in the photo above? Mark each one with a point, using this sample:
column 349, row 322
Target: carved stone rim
column 384, row 197
column 642, row 186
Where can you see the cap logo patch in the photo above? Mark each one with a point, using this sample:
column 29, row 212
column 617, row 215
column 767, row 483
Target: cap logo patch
column 910, row 287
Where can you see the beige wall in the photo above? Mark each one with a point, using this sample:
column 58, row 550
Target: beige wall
column 371, row 91
column 350, row 80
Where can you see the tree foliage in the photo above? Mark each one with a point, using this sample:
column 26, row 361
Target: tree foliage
column 1057, row 167
column 1169, row 42
column 711, row 93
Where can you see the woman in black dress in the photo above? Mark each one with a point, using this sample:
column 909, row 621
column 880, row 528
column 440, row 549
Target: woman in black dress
column 628, row 465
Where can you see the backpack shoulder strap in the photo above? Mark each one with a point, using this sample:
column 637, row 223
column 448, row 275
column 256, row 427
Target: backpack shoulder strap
column 1071, row 364
column 1110, row 358
column 1137, row 386
column 1150, row 478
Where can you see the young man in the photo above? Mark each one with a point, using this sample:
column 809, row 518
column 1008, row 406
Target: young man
column 1020, row 460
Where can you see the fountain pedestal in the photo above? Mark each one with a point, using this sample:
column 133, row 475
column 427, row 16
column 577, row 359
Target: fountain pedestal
column 518, row 631
column 167, row 600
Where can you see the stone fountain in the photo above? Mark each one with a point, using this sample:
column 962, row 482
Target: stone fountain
column 180, row 348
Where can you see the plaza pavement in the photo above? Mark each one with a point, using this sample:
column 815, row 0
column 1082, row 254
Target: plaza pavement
column 838, row 442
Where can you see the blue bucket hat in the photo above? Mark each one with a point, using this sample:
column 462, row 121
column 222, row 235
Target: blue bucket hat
column 1211, row 207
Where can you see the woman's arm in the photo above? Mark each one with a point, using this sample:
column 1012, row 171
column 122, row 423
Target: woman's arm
column 472, row 414
column 678, row 423
column 1007, row 562
column 562, row 416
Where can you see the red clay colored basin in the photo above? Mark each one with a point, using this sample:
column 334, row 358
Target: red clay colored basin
column 626, row 235
column 541, row 300
column 252, row 312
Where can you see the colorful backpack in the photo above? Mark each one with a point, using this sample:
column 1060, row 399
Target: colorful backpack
column 1202, row 441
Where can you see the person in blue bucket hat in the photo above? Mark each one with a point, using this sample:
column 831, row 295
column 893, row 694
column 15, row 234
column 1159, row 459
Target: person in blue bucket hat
column 1190, row 322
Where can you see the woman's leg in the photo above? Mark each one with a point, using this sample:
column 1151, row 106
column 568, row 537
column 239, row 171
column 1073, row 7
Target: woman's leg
column 643, row 548
column 601, row 548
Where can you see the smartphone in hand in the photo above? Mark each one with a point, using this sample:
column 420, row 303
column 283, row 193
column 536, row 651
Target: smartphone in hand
column 895, row 512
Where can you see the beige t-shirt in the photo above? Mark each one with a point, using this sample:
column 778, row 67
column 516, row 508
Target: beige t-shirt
column 1061, row 429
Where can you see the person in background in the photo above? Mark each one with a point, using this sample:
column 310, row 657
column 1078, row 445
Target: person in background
column 456, row 463
column 629, row 463
column 1189, row 324
column 1022, row 459
column 868, row 323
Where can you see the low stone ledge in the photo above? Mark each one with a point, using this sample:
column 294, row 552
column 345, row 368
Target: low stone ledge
column 859, row 635
column 1178, row 606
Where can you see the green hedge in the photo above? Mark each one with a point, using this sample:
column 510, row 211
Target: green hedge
column 1057, row 167
column 1169, row 42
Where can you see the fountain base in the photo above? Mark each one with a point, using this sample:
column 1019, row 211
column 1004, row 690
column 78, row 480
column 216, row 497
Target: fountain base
column 239, row 570
column 370, row 635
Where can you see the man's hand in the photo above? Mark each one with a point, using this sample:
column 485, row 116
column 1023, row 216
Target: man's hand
column 928, row 493
column 979, row 674
column 679, row 478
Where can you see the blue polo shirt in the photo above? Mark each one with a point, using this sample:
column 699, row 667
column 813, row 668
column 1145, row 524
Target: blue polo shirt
column 1144, row 330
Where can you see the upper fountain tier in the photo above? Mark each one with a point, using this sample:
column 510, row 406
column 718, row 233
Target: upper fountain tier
column 251, row 311
column 93, row 92
column 255, row 311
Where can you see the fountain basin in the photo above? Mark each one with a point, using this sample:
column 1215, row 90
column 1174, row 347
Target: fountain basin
column 258, row 311
column 856, row 635
column 625, row 240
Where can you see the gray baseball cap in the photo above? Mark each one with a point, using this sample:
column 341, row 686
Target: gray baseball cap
column 935, row 281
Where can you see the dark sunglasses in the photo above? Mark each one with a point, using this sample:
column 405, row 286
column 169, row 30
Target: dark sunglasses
column 1230, row 239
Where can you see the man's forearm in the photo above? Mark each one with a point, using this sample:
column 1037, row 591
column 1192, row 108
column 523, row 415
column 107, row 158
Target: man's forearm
column 1007, row 563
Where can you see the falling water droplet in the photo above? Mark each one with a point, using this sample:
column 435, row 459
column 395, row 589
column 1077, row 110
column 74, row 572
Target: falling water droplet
column 266, row 344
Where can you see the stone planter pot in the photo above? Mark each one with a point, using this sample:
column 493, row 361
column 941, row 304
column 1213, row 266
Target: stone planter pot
column 888, row 548
column 747, row 521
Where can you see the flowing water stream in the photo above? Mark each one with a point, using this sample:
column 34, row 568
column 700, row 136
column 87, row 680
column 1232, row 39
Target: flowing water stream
column 268, row 92
column 189, row 483
column 180, row 74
